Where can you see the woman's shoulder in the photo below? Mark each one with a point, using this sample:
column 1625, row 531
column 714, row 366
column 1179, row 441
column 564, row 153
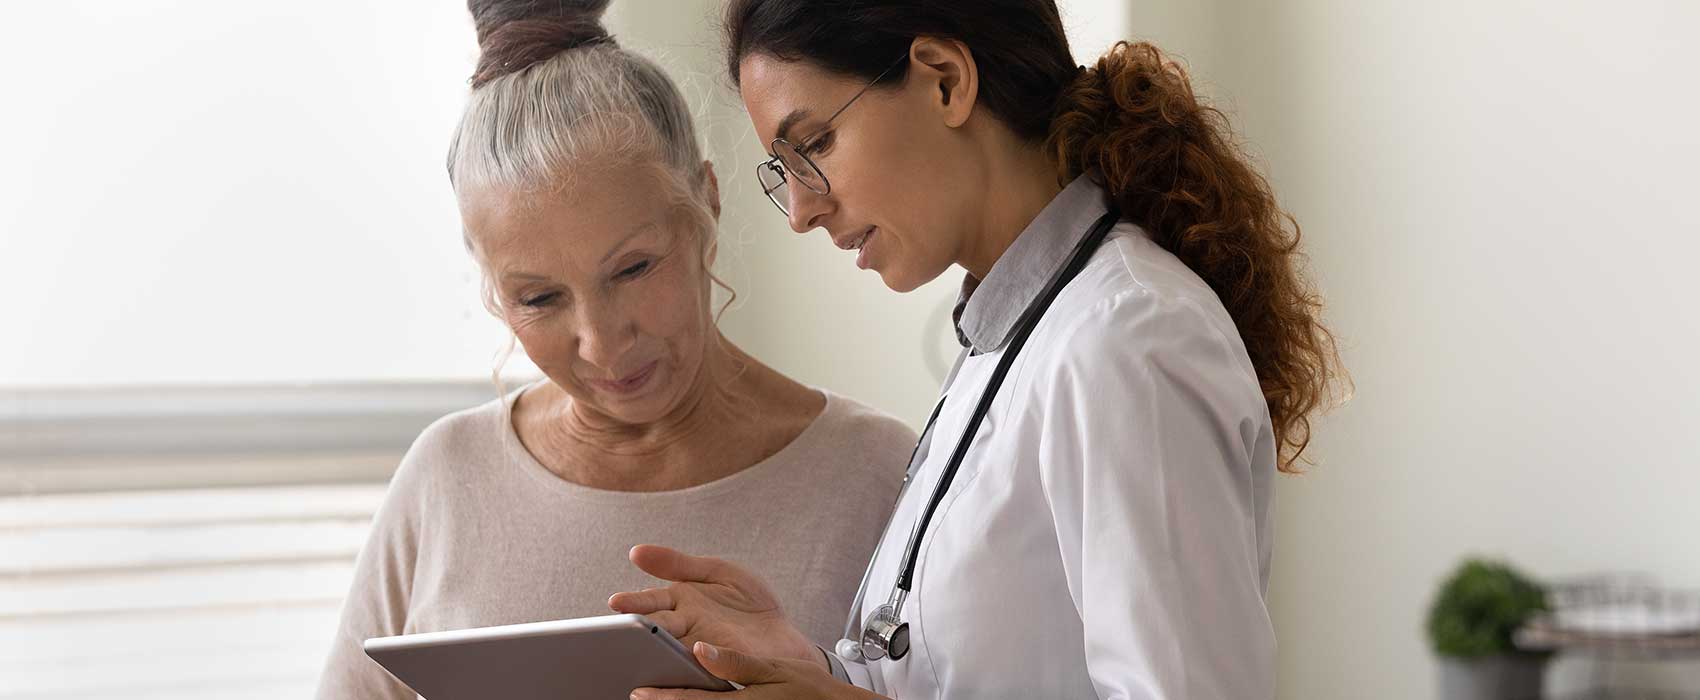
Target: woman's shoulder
column 865, row 421
column 1130, row 262
column 439, row 464
column 449, row 444
column 860, row 439
column 475, row 428
column 1134, row 305
column 1131, row 285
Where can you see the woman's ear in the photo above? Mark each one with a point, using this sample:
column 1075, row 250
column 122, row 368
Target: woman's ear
column 713, row 185
column 948, row 68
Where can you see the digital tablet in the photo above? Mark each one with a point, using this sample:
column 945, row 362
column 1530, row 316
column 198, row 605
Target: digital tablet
column 592, row 658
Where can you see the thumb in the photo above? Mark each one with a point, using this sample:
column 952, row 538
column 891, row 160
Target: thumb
column 736, row 666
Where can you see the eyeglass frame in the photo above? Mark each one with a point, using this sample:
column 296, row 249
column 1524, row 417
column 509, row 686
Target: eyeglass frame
column 777, row 164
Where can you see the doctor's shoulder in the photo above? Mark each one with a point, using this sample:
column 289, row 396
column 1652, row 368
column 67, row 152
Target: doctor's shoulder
column 1134, row 303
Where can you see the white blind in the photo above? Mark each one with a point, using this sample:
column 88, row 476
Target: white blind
column 190, row 542
column 208, row 593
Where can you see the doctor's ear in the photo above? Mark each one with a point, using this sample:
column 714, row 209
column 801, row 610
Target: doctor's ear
column 713, row 184
column 949, row 72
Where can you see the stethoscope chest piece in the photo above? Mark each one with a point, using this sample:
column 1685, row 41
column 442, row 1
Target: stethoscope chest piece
column 884, row 635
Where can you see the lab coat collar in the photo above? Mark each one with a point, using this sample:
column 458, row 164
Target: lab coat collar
column 987, row 310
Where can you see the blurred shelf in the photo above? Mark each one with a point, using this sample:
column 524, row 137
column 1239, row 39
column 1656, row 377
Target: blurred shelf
column 1540, row 636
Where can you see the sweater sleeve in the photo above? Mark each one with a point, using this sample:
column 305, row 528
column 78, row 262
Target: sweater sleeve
column 377, row 602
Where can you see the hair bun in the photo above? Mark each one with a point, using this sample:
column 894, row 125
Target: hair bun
column 514, row 35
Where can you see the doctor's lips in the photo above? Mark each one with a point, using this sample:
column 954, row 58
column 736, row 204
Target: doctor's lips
column 857, row 242
column 627, row 384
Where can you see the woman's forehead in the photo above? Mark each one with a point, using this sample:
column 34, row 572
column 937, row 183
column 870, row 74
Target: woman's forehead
column 587, row 218
column 780, row 95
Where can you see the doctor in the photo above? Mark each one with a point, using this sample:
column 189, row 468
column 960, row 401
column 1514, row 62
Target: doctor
column 1088, row 511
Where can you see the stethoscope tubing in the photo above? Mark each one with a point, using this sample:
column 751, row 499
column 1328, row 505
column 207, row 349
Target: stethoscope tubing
column 1082, row 252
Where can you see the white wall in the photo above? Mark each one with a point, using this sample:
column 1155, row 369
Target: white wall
column 204, row 191
column 1499, row 201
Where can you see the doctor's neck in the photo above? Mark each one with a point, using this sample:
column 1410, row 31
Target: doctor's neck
column 1017, row 181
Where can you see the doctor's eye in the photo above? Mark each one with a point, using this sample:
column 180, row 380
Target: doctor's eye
column 819, row 145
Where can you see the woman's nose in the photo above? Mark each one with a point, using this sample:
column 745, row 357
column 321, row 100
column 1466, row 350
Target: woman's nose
column 807, row 208
column 604, row 336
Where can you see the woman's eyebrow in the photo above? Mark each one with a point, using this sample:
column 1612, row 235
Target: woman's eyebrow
column 790, row 122
column 639, row 230
column 524, row 276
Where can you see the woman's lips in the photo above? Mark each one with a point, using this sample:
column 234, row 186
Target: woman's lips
column 630, row 383
column 862, row 249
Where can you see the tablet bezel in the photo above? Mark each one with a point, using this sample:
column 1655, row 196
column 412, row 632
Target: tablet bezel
column 416, row 659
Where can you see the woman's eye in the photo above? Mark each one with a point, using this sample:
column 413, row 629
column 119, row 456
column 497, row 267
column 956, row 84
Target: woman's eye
column 539, row 300
column 819, row 145
column 634, row 270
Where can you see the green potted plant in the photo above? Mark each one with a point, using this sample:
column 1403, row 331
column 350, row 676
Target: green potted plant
column 1470, row 626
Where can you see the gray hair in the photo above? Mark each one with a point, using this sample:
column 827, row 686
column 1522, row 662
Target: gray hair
column 530, row 129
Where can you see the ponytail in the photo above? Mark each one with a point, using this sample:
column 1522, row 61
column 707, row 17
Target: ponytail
column 1169, row 163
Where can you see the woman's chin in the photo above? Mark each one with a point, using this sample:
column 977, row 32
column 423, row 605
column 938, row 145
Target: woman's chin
column 903, row 281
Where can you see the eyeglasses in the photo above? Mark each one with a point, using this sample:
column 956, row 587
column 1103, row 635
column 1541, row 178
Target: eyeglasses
column 792, row 161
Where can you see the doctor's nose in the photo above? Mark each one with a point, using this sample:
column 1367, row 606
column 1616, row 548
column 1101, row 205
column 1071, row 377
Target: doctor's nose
column 807, row 209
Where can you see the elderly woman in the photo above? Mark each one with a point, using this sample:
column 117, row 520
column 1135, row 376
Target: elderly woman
column 589, row 207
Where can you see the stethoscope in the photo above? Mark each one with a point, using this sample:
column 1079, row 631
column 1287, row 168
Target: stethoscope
column 884, row 633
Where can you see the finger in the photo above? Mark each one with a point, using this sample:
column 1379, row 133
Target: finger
column 676, row 694
column 672, row 621
column 673, row 565
column 642, row 602
column 736, row 666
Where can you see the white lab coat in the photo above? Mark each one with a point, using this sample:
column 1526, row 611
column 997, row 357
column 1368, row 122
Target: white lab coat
column 1108, row 535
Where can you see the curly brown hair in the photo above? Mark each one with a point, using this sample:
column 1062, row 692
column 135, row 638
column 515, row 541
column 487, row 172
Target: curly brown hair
column 1172, row 165
column 1168, row 160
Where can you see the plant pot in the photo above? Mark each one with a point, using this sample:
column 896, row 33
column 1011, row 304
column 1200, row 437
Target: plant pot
column 1497, row 677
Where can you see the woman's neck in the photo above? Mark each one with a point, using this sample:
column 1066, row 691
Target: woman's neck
column 1021, row 181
